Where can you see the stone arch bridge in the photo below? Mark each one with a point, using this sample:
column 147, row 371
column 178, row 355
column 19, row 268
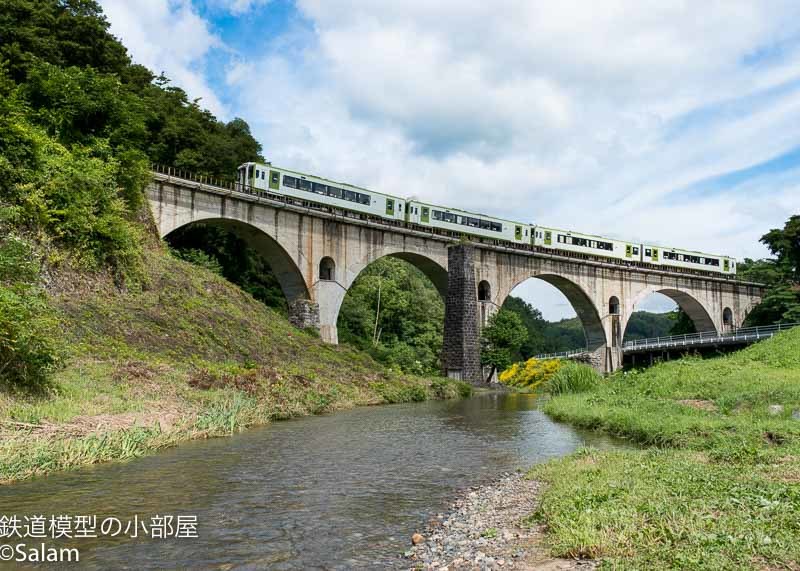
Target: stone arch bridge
column 317, row 253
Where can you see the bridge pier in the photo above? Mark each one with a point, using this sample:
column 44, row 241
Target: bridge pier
column 461, row 347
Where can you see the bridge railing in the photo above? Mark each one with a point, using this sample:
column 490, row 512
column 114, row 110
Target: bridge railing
column 232, row 186
column 709, row 337
column 561, row 354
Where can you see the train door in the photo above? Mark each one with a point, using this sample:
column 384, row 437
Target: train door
column 726, row 265
column 426, row 215
column 274, row 180
column 628, row 251
column 518, row 233
column 655, row 254
column 390, row 207
column 548, row 238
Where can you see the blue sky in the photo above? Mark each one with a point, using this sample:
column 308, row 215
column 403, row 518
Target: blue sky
column 673, row 122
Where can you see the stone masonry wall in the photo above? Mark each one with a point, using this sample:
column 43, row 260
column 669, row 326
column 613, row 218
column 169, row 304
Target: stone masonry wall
column 461, row 348
column 304, row 314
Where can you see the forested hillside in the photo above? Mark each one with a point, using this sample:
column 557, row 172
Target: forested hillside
column 79, row 126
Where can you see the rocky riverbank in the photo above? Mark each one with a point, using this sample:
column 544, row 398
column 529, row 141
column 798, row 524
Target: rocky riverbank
column 485, row 528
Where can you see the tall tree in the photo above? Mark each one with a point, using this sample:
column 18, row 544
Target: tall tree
column 781, row 302
column 501, row 340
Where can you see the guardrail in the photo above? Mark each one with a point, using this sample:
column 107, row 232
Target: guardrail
column 741, row 335
column 562, row 354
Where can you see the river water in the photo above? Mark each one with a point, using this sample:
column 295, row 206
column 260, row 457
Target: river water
column 339, row 491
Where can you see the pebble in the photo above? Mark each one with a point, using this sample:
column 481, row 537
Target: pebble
column 482, row 531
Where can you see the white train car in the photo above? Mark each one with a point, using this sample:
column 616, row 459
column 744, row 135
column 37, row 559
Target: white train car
column 687, row 259
column 463, row 222
column 565, row 240
column 310, row 188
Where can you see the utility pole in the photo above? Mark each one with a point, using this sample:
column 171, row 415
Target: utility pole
column 377, row 315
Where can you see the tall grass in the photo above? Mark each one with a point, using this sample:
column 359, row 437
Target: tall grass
column 572, row 378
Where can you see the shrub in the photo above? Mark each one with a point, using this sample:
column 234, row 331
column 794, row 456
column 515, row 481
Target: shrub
column 531, row 374
column 572, row 378
column 28, row 350
column 198, row 258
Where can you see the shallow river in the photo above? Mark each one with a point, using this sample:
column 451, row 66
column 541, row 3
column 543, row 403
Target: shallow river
column 338, row 491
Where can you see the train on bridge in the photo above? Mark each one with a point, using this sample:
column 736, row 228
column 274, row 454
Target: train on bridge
column 453, row 221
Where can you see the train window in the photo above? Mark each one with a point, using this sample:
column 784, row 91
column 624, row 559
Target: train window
column 304, row 184
column 262, row 174
column 473, row 222
column 275, row 177
column 363, row 198
column 437, row 215
column 289, row 181
column 486, row 225
column 635, row 250
column 334, row 192
column 497, row 227
column 318, row 188
column 647, row 252
column 256, row 173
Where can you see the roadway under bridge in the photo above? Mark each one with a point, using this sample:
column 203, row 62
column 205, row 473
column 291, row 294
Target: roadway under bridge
column 316, row 253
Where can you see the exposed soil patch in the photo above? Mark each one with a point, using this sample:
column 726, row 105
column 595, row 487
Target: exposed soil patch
column 486, row 529
column 166, row 418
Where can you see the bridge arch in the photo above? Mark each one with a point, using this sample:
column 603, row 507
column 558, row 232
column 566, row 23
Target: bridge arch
column 690, row 305
column 580, row 301
column 283, row 266
column 330, row 295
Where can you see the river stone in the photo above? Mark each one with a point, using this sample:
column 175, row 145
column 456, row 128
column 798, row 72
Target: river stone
column 796, row 415
column 775, row 409
column 417, row 538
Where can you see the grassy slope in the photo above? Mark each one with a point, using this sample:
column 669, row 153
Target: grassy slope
column 718, row 484
column 190, row 356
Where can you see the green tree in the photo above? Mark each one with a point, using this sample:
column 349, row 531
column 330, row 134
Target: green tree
column 645, row 325
column 781, row 274
column 682, row 324
column 405, row 329
column 501, row 340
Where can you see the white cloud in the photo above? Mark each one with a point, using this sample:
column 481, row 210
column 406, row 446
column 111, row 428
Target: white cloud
column 170, row 37
column 238, row 7
column 601, row 117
